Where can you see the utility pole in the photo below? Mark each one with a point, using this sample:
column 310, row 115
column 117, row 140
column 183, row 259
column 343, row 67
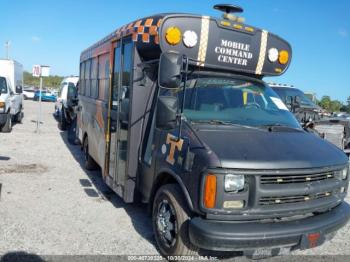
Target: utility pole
column 7, row 47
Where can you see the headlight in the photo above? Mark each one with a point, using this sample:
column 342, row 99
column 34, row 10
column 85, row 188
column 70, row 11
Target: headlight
column 2, row 104
column 234, row 183
column 341, row 174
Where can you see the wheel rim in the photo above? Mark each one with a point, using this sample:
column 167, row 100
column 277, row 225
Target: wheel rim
column 166, row 223
column 10, row 122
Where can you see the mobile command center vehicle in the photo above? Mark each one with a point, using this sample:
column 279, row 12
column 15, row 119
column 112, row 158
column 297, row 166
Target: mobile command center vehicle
column 174, row 111
column 11, row 100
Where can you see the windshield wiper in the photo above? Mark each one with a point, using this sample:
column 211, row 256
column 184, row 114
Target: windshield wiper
column 222, row 122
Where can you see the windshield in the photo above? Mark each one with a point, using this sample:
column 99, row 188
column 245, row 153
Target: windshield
column 234, row 101
column 3, row 86
column 284, row 92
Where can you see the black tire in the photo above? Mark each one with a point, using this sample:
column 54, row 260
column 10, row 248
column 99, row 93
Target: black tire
column 90, row 163
column 62, row 120
column 171, row 227
column 19, row 116
column 25, row 97
column 7, row 128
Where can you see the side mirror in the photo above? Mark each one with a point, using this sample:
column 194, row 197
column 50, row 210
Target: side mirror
column 170, row 65
column 166, row 112
column 19, row 90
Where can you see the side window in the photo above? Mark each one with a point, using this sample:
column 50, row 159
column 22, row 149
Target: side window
column 72, row 90
column 103, row 76
column 127, row 70
column 82, row 79
column 87, row 77
column 116, row 75
column 94, row 74
column 3, row 85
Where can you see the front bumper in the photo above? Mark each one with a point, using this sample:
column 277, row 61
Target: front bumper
column 238, row 236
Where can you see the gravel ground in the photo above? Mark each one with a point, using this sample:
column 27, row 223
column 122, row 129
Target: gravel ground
column 50, row 205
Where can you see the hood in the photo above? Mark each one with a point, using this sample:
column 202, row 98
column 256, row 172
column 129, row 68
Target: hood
column 253, row 148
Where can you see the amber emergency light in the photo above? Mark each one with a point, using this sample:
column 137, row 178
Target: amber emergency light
column 173, row 35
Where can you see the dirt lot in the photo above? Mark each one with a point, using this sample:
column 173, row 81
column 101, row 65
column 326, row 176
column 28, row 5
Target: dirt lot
column 50, row 205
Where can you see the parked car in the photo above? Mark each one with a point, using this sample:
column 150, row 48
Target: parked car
column 28, row 94
column 66, row 101
column 45, row 96
column 11, row 82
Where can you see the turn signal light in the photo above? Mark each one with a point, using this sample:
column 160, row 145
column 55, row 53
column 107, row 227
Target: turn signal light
column 210, row 191
column 2, row 104
column 283, row 57
column 173, row 35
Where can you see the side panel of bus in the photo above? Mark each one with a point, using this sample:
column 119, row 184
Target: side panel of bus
column 93, row 104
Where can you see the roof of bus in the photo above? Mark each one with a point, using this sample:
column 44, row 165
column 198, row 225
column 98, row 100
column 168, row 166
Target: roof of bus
column 220, row 44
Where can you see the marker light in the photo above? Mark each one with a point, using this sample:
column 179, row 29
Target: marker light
column 173, row 35
column 210, row 191
column 190, row 38
column 283, row 57
column 273, row 54
column 233, row 204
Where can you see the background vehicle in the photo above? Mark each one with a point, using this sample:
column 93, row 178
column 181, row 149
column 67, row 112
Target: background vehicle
column 11, row 101
column 46, row 96
column 334, row 129
column 65, row 105
column 187, row 125
column 28, row 94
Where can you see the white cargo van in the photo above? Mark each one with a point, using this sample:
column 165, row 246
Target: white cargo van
column 11, row 100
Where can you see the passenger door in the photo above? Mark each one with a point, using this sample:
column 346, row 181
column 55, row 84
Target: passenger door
column 119, row 112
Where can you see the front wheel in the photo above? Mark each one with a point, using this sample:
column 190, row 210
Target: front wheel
column 90, row 163
column 7, row 128
column 62, row 120
column 170, row 220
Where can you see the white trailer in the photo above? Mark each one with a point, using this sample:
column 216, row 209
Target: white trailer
column 11, row 98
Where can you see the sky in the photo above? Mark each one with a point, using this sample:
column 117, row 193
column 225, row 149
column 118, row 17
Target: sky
column 55, row 32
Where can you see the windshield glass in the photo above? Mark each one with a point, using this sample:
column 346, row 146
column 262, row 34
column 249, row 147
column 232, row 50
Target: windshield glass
column 3, row 86
column 234, row 101
column 284, row 92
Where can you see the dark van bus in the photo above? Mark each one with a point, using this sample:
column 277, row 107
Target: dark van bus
column 174, row 110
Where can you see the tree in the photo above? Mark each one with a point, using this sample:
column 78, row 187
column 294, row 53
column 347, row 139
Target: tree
column 325, row 102
column 332, row 105
column 51, row 82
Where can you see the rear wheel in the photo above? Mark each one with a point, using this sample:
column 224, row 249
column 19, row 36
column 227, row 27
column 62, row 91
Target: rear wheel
column 170, row 220
column 90, row 163
column 7, row 128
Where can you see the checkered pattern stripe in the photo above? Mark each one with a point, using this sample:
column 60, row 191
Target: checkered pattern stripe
column 262, row 53
column 203, row 44
column 145, row 30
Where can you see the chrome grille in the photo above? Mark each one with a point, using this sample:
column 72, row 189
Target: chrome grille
column 276, row 200
column 302, row 178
